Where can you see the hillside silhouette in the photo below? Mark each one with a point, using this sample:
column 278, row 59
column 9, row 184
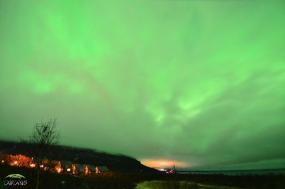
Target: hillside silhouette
column 115, row 162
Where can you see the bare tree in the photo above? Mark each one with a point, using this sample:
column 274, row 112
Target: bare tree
column 44, row 136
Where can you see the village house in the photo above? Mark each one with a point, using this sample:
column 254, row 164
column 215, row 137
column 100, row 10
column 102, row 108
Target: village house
column 101, row 169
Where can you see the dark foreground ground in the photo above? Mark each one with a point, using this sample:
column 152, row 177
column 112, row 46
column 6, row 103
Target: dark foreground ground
column 130, row 181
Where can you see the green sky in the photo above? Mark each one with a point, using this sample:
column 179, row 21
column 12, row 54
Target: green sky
column 197, row 82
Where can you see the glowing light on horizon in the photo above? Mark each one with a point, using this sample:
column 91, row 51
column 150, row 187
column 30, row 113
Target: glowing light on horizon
column 163, row 163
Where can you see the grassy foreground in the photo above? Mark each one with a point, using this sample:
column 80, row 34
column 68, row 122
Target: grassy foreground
column 178, row 185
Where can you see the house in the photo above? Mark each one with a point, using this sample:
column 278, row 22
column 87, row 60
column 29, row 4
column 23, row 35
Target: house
column 92, row 168
column 101, row 169
column 17, row 160
column 82, row 169
column 67, row 167
column 56, row 166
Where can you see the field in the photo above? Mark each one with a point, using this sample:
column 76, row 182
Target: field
column 140, row 181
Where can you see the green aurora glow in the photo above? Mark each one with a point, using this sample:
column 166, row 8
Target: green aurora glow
column 201, row 82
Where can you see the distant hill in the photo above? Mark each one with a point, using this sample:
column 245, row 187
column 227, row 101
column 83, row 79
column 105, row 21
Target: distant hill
column 118, row 163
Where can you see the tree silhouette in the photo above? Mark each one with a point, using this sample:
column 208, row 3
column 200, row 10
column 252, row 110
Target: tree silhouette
column 43, row 137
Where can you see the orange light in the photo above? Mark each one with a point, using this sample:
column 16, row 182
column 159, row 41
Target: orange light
column 32, row 165
column 58, row 170
column 163, row 163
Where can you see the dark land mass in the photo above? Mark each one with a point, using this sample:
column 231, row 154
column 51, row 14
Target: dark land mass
column 126, row 172
column 130, row 180
column 116, row 163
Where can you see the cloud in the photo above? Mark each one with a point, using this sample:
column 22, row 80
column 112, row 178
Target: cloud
column 193, row 82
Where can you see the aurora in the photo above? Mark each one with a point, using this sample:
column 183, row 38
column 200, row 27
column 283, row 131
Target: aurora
column 197, row 83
